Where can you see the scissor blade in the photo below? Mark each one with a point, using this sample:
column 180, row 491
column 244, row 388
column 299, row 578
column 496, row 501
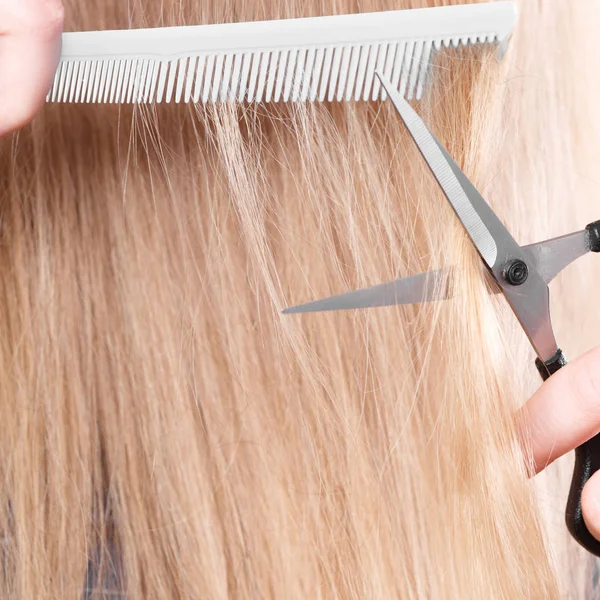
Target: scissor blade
column 549, row 257
column 530, row 301
column 424, row 287
column 470, row 207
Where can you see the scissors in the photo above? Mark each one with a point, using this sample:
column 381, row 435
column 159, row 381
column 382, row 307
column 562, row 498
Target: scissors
column 521, row 272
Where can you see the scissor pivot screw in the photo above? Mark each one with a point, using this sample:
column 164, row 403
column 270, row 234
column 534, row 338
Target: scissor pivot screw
column 516, row 272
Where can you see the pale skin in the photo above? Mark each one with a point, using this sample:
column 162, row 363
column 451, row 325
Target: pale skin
column 561, row 415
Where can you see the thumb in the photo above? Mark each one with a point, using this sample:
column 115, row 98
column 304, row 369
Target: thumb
column 30, row 36
column 563, row 413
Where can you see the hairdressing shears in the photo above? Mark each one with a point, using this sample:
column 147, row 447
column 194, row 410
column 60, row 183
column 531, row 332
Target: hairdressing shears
column 521, row 272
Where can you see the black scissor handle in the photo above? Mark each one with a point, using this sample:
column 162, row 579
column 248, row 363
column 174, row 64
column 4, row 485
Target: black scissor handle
column 587, row 462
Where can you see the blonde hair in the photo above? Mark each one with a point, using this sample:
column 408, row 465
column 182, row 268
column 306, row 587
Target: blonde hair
column 168, row 433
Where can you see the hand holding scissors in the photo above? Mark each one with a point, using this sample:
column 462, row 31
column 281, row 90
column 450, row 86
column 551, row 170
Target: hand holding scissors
column 522, row 274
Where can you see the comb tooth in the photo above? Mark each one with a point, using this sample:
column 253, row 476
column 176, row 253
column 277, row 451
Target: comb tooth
column 67, row 87
column 132, row 81
column 424, row 70
column 362, row 71
column 381, row 60
column 69, row 83
column 189, row 79
column 94, row 77
column 117, row 77
column 150, row 81
column 121, row 89
column 136, row 81
column 175, row 82
column 133, row 76
column 281, row 69
column 170, row 85
column 129, row 74
column 81, row 80
column 226, row 81
column 408, row 54
column 143, row 81
column 109, row 80
column 335, row 72
column 100, row 82
column 308, row 69
column 208, row 78
column 235, row 77
column 243, row 87
column 319, row 60
column 115, row 94
column 180, row 78
column 299, row 75
column 217, row 78
column 163, row 71
column 325, row 74
column 105, row 84
column 76, row 85
column 57, row 77
column 289, row 75
column 63, row 81
column 398, row 62
column 52, row 92
column 118, row 68
column 66, row 83
column 352, row 72
column 90, row 82
column 78, row 80
column 341, row 87
column 144, row 76
column 255, row 84
column 123, row 81
column 73, row 82
column 389, row 65
column 199, row 79
column 370, row 71
column 271, row 76
column 414, row 72
column 85, row 81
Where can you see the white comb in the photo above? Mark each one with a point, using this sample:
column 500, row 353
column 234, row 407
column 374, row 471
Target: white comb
column 315, row 59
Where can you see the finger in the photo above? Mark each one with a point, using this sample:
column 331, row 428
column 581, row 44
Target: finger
column 564, row 413
column 590, row 504
column 30, row 36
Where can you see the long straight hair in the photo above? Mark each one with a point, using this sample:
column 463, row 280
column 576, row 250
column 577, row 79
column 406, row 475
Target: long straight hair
column 168, row 433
